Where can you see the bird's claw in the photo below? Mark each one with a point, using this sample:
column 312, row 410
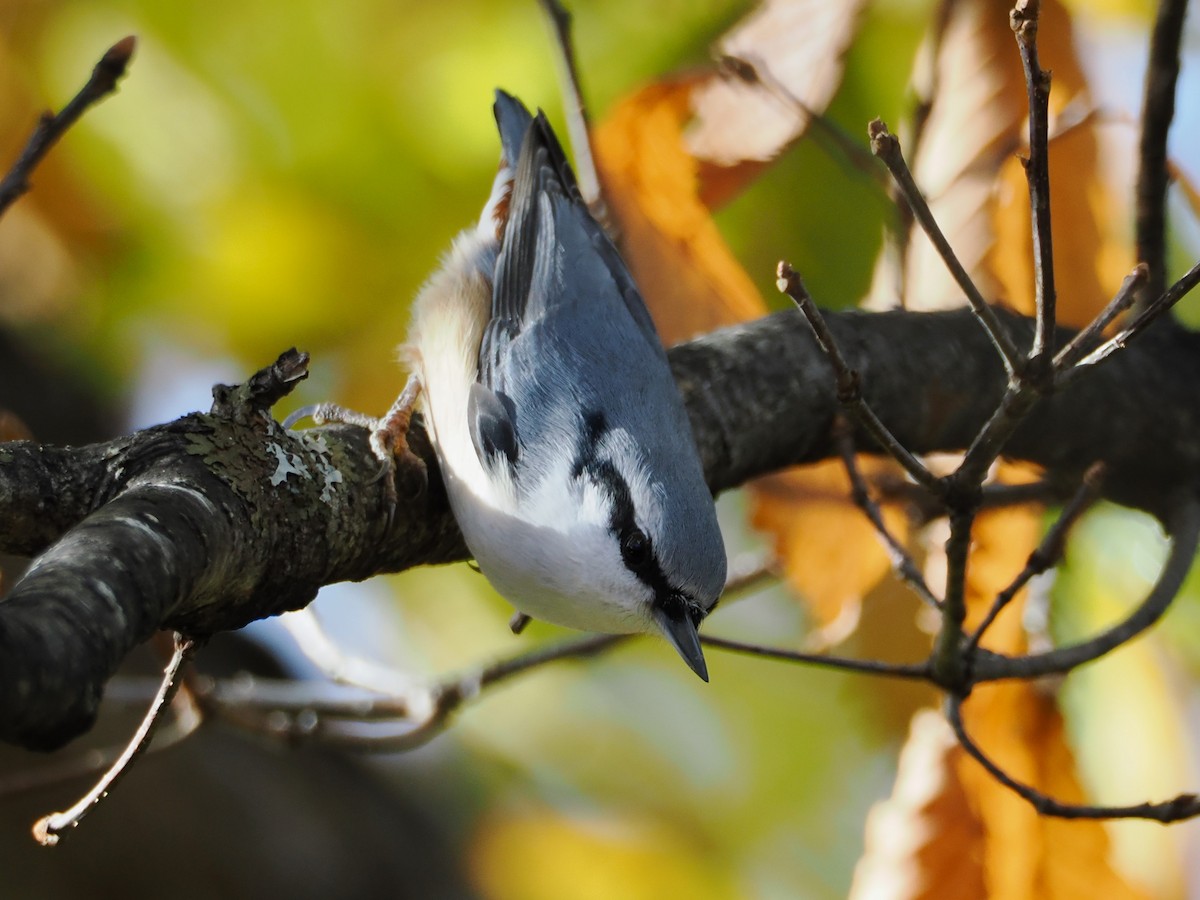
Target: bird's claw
column 389, row 441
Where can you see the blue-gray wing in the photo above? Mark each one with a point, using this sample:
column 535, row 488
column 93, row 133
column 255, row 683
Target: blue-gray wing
column 560, row 290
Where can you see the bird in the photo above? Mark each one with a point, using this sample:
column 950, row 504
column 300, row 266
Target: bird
column 566, row 450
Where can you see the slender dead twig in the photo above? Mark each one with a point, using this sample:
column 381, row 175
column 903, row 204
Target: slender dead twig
column 902, row 561
column 909, row 671
column 576, row 110
column 886, row 146
column 49, row 829
column 1149, row 314
column 849, row 385
column 299, row 712
column 1185, row 806
column 1184, row 529
column 1158, row 110
column 51, row 127
column 1048, row 553
column 1024, row 22
column 1079, row 346
column 186, row 718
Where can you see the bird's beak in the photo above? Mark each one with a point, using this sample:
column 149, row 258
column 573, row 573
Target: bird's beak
column 677, row 626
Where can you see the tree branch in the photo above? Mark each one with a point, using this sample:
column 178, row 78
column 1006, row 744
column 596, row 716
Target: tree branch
column 1158, row 110
column 215, row 520
column 103, row 82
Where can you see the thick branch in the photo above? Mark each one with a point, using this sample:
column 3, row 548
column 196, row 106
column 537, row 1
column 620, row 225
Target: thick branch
column 226, row 518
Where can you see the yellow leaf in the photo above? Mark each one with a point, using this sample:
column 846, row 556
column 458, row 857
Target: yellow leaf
column 542, row 855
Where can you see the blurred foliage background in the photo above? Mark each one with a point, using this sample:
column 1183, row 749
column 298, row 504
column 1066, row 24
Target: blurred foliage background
column 270, row 176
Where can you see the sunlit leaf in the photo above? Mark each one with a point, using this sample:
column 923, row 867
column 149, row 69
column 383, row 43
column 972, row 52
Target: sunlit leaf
column 690, row 279
column 832, row 554
column 543, row 855
column 783, row 64
column 968, row 76
column 950, row 830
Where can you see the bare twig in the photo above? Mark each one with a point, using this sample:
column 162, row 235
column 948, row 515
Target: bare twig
column 298, row 712
column 1184, row 529
column 885, row 145
column 575, row 109
column 51, row 127
column 841, row 148
column 1048, row 552
column 902, row 561
column 186, row 718
column 909, row 671
column 1173, row 295
column 389, row 711
column 849, row 385
column 48, row 830
column 1078, row 346
column 1024, row 21
column 1185, row 806
column 1158, row 110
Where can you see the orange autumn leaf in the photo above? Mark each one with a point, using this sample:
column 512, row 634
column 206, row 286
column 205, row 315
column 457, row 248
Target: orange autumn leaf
column 963, row 827
column 687, row 273
column 949, row 830
column 831, row 552
column 1091, row 254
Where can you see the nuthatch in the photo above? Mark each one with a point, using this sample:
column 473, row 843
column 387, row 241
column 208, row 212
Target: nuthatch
column 567, row 455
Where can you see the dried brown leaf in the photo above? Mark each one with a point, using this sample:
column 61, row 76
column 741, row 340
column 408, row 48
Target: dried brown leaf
column 969, row 79
column 780, row 66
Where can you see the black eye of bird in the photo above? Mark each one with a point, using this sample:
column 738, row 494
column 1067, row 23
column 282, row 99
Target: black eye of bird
column 635, row 548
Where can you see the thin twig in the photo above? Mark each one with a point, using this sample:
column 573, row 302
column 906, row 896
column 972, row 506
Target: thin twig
column 849, row 385
column 1184, row 528
column 902, row 562
column 1185, row 806
column 1024, row 22
column 51, row 127
column 1173, row 295
column 910, row 671
column 1078, row 346
column 1048, row 552
column 187, row 717
column 416, row 709
column 576, row 110
column 48, row 830
column 1158, row 110
column 885, row 145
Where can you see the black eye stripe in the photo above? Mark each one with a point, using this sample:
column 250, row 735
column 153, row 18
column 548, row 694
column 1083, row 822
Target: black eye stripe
column 641, row 560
